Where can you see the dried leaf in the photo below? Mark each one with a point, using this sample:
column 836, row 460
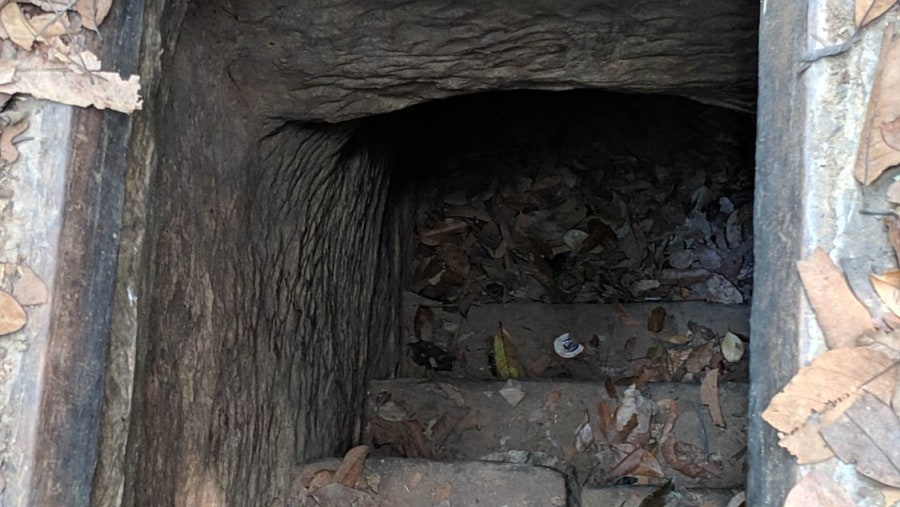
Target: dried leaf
column 443, row 231
column 893, row 226
column 816, row 488
column 93, row 12
column 539, row 365
column 17, row 27
column 840, row 315
column 352, row 465
column 656, row 319
column 12, row 315
column 29, row 289
column 638, row 462
column 887, row 285
column 890, row 133
column 506, row 357
column 870, row 10
column 807, row 444
column 709, row 396
column 455, row 258
column 874, row 155
column 626, row 319
column 868, row 435
column 423, row 323
column 893, row 192
column 45, row 79
column 49, row 25
column 689, row 459
column 8, row 150
column 830, row 377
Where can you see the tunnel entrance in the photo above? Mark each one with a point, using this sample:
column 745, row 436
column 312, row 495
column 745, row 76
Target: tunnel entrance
column 338, row 205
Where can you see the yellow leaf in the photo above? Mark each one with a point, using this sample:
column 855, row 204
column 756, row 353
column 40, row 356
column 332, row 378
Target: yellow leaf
column 12, row 315
column 887, row 285
column 505, row 355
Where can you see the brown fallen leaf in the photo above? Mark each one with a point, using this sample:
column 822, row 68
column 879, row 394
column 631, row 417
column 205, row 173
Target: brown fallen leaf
column 868, row 436
column 626, row 319
column 639, row 462
column 352, row 466
column 840, row 315
column 807, row 444
column 890, row 133
column 831, row 377
column 689, row 459
column 423, row 323
column 656, row 319
column 887, row 285
column 709, row 396
column 874, row 155
column 17, row 26
column 8, row 150
column 12, row 315
column 820, row 490
column 869, row 10
column 93, row 12
column 893, row 227
column 455, row 258
column 30, row 289
column 893, row 192
column 895, row 396
column 48, row 79
column 539, row 365
column 443, row 231
column 49, row 25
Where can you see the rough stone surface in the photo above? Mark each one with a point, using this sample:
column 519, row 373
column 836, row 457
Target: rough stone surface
column 546, row 419
column 414, row 483
column 347, row 59
column 37, row 183
column 633, row 496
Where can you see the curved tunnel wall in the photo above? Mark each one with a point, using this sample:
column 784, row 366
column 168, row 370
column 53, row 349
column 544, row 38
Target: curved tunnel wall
column 275, row 262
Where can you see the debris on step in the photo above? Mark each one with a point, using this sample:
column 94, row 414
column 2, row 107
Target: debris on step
column 603, row 434
column 639, row 342
column 394, row 482
column 431, row 356
column 643, row 496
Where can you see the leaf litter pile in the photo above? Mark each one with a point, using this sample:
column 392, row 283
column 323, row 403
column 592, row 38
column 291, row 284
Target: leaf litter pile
column 648, row 201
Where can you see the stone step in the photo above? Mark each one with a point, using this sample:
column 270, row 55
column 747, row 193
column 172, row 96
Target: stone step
column 633, row 496
column 466, row 420
column 621, row 331
column 396, row 482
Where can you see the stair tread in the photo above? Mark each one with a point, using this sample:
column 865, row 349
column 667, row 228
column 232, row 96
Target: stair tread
column 400, row 482
column 633, row 496
column 465, row 420
column 621, row 330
